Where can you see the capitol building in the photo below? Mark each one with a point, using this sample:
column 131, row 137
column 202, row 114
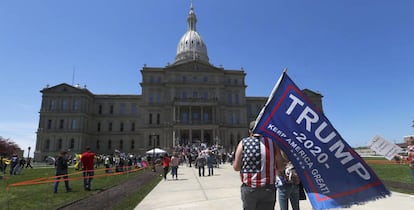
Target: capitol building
column 189, row 101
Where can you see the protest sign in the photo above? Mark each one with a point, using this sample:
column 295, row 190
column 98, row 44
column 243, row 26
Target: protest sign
column 384, row 147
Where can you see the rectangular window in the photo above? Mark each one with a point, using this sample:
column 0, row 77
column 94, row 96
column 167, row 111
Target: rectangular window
column 133, row 126
column 132, row 144
column 230, row 118
column 61, row 123
column 150, row 118
column 184, row 117
column 49, row 124
column 72, row 143
column 52, row 105
column 196, row 116
column 121, row 126
column 122, row 108
column 100, row 109
column 74, row 124
column 158, row 98
column 47, row 145
column 75, row 105
column 229, row 98
column 98, row 127
column 64, row 104
column 110, row 126
column 111, row 109
column 134, row 108
column 206, row 117
column 158, row 119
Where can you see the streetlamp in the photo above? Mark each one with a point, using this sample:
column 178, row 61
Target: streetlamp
column 153, row 152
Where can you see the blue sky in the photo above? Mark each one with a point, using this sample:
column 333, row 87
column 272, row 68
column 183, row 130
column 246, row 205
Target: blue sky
column 357, row 53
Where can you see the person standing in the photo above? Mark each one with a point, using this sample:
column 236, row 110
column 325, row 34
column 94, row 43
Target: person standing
column 14, row 164
column 410, row 157
column 175, row 161
column 200, row 163
column 258, row 159
column 209, row 160
column 165, row 165
column 61, row 166
column 29, row 162
column 287, row 183
column 87, row 160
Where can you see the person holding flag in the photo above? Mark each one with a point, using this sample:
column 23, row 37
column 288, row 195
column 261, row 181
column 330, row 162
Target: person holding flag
column 332, row 173
column 257, row 158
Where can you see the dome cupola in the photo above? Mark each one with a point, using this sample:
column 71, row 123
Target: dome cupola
column 191, row 46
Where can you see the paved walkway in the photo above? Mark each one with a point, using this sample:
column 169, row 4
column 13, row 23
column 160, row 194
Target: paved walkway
column 222, row 191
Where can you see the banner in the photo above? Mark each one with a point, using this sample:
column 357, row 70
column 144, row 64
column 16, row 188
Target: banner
column 384, row 147
column 333, row 174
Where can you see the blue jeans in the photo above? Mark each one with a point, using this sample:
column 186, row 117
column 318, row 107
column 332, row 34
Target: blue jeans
column 174, row 171
column 288, row 192
column 263, row 198
column 61, row 174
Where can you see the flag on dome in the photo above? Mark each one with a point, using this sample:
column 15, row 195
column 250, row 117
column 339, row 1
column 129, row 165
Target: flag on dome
column 332, row 173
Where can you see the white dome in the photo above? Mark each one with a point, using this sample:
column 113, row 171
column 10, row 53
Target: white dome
column 191, row 46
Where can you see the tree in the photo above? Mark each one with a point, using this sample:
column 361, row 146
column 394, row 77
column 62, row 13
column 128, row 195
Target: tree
column 8, row 147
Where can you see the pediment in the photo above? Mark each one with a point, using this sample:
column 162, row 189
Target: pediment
column 65, row 88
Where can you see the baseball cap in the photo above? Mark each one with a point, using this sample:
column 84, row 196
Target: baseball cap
column 252, row 124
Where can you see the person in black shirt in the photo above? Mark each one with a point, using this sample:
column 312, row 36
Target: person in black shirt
column 61, row 165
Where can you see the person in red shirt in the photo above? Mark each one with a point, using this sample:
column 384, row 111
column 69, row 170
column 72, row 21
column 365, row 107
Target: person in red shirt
column 87, row 160
column 166, row 165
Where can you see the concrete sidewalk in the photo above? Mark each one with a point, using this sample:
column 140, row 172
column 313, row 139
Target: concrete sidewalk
column 222, row 191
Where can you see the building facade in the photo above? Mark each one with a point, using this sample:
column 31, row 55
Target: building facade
column 187, row 102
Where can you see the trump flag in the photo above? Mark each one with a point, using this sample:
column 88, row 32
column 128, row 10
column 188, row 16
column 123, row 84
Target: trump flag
column 332, row 173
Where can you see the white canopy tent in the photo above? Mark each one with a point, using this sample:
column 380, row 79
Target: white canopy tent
column 155, row 151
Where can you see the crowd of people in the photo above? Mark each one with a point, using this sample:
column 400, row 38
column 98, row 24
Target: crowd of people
column 15, row 164
column 200, row 156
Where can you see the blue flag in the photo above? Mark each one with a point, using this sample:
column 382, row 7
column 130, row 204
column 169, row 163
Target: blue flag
column 332, row 173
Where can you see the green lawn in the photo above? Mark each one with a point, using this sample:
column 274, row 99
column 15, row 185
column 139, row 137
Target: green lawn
column 41, row 196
